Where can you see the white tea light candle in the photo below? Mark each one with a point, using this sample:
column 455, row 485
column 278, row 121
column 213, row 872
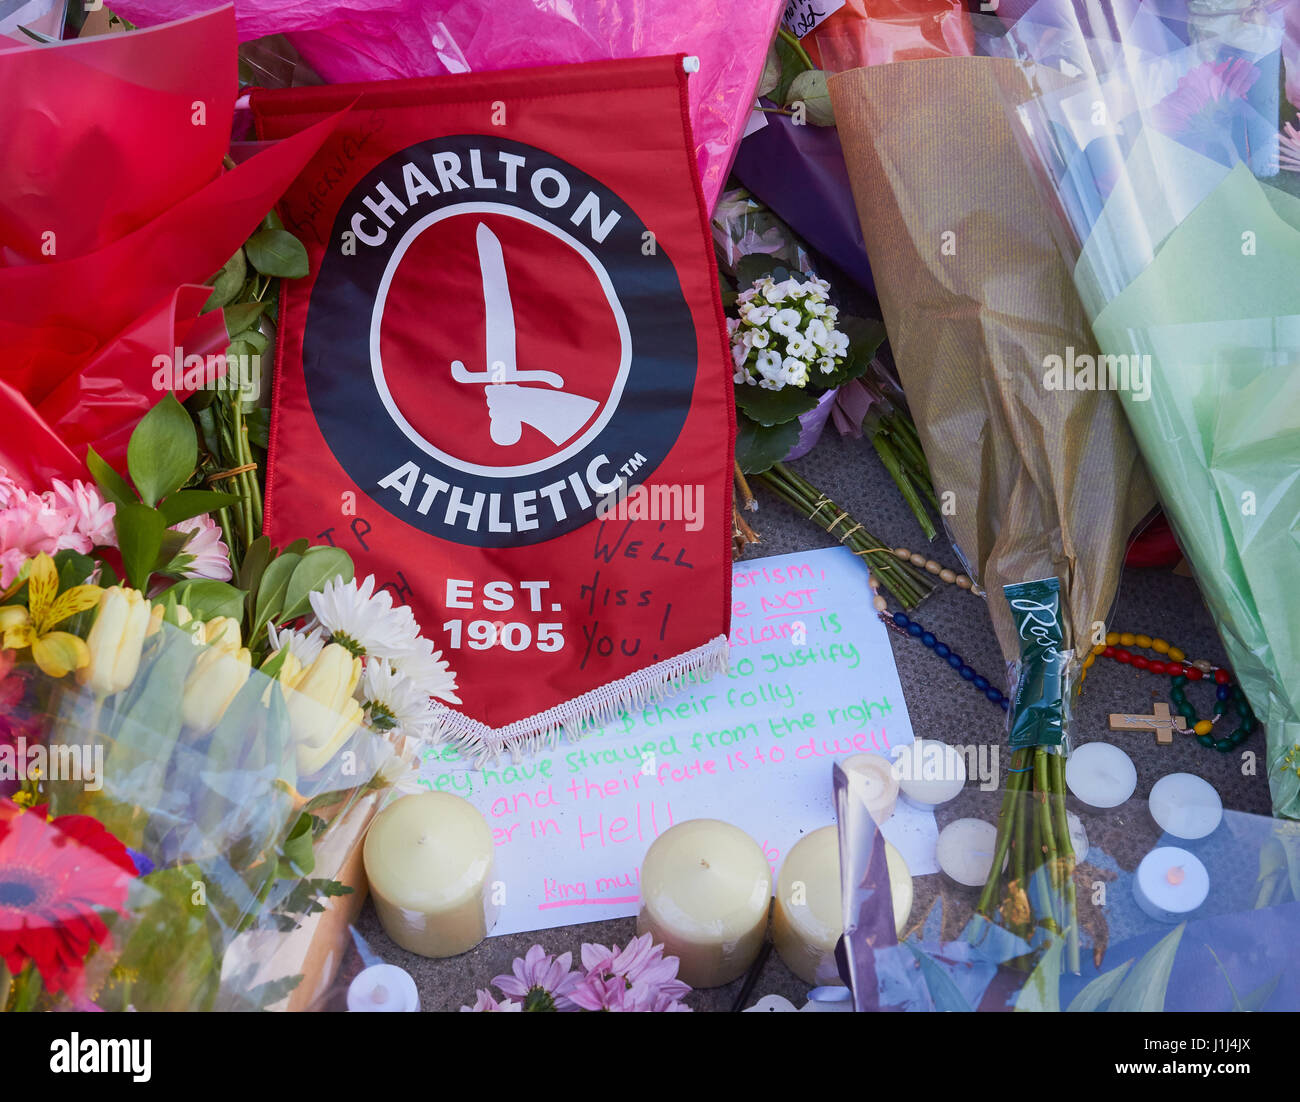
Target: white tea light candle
column 705, row 890
column 1101, row 775
column 965, row 851
column 383, row 988
column 808, row 916
column 929, row 773
column 873, row 781
column 1185, row 806
column 1170, row 884
column 428, row 858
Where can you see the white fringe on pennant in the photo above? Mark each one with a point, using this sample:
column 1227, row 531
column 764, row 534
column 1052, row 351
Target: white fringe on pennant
column 574, row 718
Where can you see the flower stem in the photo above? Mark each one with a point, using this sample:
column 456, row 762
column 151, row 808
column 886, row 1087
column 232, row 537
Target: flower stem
column 796, row 46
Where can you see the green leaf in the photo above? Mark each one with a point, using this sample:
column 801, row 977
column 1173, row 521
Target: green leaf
column 1144, row 988
column 1042, row 991
column 140, row 532
column 74, row 568
column 271, row 592
column 866, row 335
column 752, row 267
column 277, row 253
column 1094, row 996
column 162, row 451
column 758, row 447
column 809, row 88
column 254, row 338
column 272, row 666
column 190, row 503
column 115, row 488
column 207, row 599
column 318, row 566
column 297, row 858
column 774, row 407
column 228, row 282
column 298, row 547
column 255, row 560
column 259, row 427
column 37, row 35
column 770, row 77
column 946, row 995
column 241, row 316
column 791, row 66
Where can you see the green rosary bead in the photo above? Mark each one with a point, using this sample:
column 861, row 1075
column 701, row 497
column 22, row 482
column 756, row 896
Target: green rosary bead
column 1205, row 740
column 1223, row 745
column 1180, row 681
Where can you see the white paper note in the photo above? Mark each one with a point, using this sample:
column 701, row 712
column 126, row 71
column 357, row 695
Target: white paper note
column 812, row 681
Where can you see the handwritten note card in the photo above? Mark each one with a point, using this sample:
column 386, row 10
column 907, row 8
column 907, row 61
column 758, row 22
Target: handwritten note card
column 812, row 681
column 803, row 16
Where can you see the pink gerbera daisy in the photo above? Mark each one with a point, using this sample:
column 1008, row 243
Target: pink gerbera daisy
column 204, row 554
column 1203, row 102
column 542, row 981
column 485, row 1003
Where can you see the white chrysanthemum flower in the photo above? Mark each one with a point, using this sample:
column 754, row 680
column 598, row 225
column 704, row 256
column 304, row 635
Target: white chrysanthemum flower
column 800, row 347
column 838, row 344
column 303, row 645
column 771, row 290
column 759, row 314
column 826, row 364
column 392, row 700
column 363, row 621
column 796, row 371
column 816, row 307
column 818, row 333
column 786, row 322
column 759, row 338
column 428, row 669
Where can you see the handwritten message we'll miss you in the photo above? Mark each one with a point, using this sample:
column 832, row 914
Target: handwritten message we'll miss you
column 812, row 680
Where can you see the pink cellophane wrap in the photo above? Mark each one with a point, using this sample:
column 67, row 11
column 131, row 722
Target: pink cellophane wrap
column 386, row 39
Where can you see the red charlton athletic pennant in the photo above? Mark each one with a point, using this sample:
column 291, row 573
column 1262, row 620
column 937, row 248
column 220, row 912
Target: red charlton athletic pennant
column 504, row 387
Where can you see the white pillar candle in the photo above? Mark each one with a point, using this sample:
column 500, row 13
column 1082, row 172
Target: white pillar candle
column 965, row 851
column 705, row 890
column 429, row 862
column 383, row 988
column 1101, row 775
column 1185, row 806
column 1170, row 884
column 873, row 781
column 929, row 773
column 808, row 916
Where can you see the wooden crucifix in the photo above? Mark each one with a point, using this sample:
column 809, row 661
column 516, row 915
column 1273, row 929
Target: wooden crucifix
column 1162, row 723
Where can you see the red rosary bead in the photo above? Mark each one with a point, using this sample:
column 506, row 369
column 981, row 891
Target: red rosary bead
column 1141, row 662
column 1109, row 652
column 1123, row 656
column 1220, row 677
column 1157, row 667
column 1191, row 673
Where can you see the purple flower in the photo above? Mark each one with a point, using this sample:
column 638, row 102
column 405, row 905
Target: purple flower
column 638, row 979
column 543, row 982
column 1207, row 101
column 485, row 1002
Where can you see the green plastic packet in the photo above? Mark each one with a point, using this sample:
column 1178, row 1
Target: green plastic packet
column 1040, row 710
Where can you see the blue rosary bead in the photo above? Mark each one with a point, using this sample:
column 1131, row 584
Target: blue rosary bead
column 967, row 673
column 995, row 695
column 929, row 640
column 955, row 661
column 981, row 683
column 1223, row 693
column 942, row 650
column 915, row 629
column 901, row 620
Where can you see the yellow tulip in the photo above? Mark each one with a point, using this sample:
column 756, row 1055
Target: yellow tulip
column 290, row 670
column 156, row 619
column 212, row 686
column 322, row 711
column 116, row 640
column 223, row 633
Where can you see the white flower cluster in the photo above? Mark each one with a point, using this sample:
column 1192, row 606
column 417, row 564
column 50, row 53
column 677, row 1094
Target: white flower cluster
column 785, row 334
column 401, row 670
